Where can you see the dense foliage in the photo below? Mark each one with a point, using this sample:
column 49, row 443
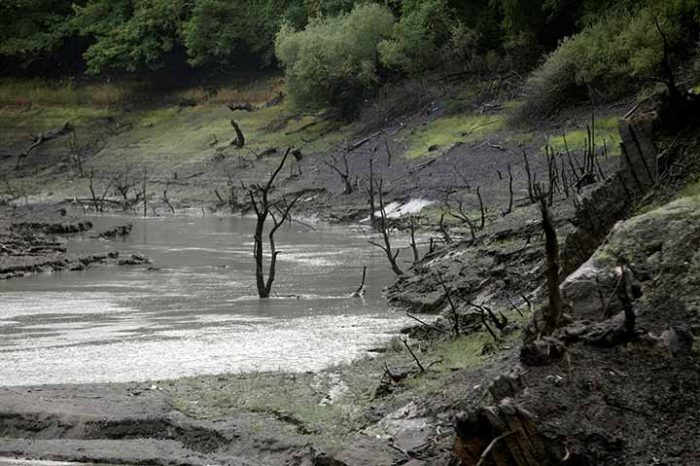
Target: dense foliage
column 336, row 51
column 333, row 62
column 615, row 53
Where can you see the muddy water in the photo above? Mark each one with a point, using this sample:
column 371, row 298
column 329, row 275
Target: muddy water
column 194, row 311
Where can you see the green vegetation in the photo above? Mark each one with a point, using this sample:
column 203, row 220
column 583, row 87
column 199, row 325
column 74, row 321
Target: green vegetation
column 425, row 33
column 606, row 133
column 304, row 398
column 444, row 132
column 15, row 92
column 333, row 62
column 612, row 55
column 336, row 53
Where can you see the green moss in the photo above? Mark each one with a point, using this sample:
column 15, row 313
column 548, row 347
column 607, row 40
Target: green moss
column 446, row 131
column 606, row 132
column 692, row 189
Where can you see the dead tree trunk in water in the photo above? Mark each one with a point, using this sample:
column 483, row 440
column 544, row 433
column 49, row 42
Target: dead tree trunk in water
column 553, row 311
column 259, row 197
column 384, row 227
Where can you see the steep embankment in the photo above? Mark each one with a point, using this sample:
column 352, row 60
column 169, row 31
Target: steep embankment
column 447, row 146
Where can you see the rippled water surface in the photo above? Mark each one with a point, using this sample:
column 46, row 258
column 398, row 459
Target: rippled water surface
column 195, row 311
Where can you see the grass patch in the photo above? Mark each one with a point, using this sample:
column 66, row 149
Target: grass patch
column 253, row 92
column 15, row 92
column 606, row 132
column 446, row 131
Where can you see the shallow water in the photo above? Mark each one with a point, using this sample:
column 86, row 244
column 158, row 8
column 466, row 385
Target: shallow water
column 197, row 312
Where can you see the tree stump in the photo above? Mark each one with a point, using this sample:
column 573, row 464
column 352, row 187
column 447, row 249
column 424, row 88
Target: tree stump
column 501, row 435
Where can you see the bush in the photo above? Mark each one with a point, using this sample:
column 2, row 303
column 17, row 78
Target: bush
column 610, row 57
column 417, row 38
column 333, row 62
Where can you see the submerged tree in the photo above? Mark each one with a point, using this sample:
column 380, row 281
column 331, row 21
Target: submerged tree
column 278, row 211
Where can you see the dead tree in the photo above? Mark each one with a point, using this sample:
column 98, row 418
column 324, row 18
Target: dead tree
column 361, row 290
column 481, row 208
column 344, row 174
column 144, row 187
column 443, row 229
column 510, row 190
column 370, row 190
column 414, row 247
column 670, row 79
column 239, row 141
column 264, row 208
column 41, row 138
column 165, row 197
column 460, row 214
column 391, row 255
column 530, row 193
column 552, row 312
column 98, row 202
column 453, row 308
column 79, row 152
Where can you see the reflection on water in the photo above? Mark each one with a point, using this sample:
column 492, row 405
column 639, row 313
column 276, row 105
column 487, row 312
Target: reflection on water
column 194, row 311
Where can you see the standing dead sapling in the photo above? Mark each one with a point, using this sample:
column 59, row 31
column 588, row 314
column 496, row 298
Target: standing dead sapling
column 391, row 255
column 264, row 208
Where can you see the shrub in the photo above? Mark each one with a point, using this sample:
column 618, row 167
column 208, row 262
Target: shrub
column 333, row 62
column 609, row 57
column 417, row 38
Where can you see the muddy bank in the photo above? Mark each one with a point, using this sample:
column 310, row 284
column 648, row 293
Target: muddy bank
column 32, row 240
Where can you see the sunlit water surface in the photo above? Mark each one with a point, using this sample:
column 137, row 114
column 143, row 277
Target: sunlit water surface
column 195, row 311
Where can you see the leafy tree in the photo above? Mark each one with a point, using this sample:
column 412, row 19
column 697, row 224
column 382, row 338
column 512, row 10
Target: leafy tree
column 613, row 55
column 32, row 28
column 417, row 38
column 129, row 34
column 220, row 30
column 333, row 62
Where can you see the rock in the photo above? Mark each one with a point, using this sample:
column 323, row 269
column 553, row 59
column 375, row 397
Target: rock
column 366, row 451
column 505, row 386
column 135, row 259
column 542, row 352
column 119, row 230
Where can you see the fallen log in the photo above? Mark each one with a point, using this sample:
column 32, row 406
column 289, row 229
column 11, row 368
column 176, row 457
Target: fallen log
column 41, row 138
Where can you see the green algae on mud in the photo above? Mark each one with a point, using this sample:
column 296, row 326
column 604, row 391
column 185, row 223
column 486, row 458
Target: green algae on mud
column 606, row 134
column 446, row 131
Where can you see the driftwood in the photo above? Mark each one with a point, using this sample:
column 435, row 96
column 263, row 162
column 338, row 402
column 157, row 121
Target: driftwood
column 41, row 138
column 363, row 141
column 413, row 355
